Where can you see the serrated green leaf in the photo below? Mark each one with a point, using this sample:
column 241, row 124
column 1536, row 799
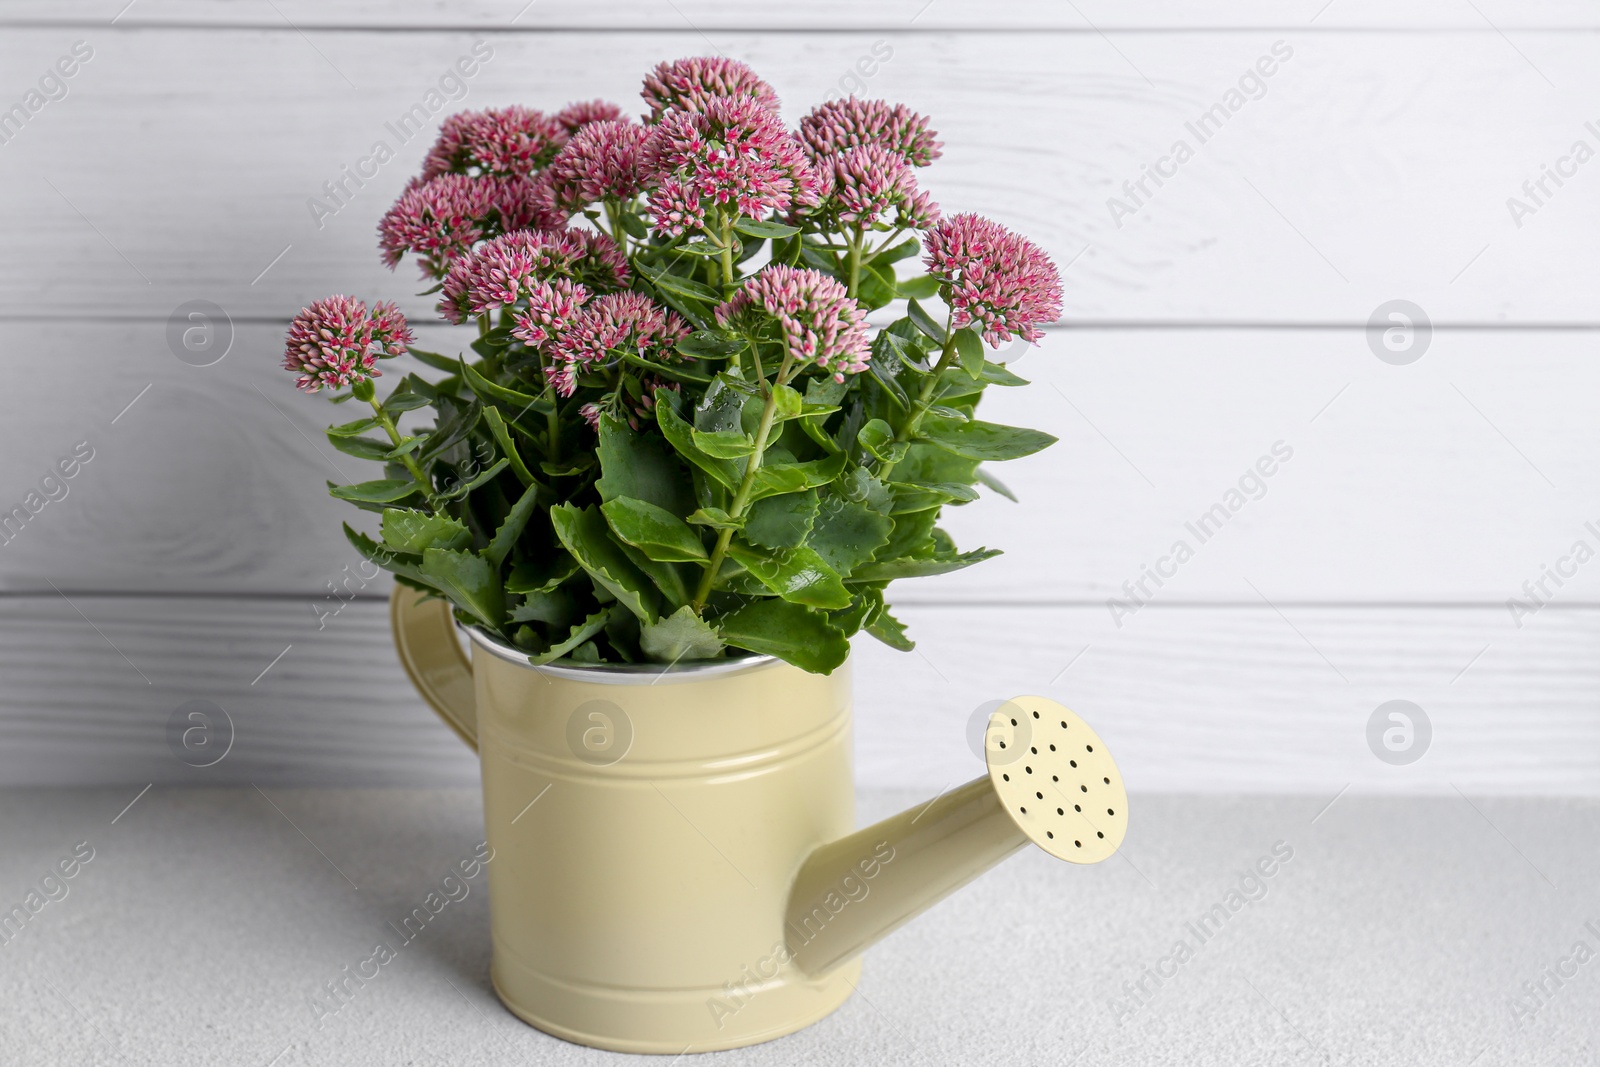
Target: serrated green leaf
column 381, row 491
column 893, row 570
column 413, row 531
column 361, row 447
column 683, row 635
column 997, row 374
column 796, row 574
column 557, row 607
column 402, row 564
column 469, row 581
column 351, row 429
column 890, row 630
column 709, row 344
column 656, row 532
column 996, row 484
column 715, row 518
column 638, row 465
column 528, row 578
column 781, row 521
column 490, row 391
column 847, row 533
column 983, row 440
column 405, row 398
column 508, row 447
column 585, row 534
column 920, row 496
column 516, row 520
column 482, row 478
column 757, row 228
column 792, row 632
column 774, row 479
column 680, row 435
column 406, row 446
column 579, row 634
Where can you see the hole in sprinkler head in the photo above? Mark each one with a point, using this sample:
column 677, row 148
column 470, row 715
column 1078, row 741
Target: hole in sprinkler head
column 1002, row 744
column 1013, row 722
column 1077, row 808
column 1097, row 833
column 1110, row 812
column 1083, row 789
column 1050, row 835
column 1034, row 751
column 1063, row 724
column 1052, row 748
column 1078, row 844
column 1089, row 748
column 1039, row 795
column 1107, row 781
column 1036, row 715
column 1023, row 810
column 1028, row 769
column 1007, row 777
column 1073, row 762
column 1053, row 778
column 1060, row 812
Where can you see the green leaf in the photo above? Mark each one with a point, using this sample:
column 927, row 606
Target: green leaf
column 667, row 577
column 469, row 581
column 757, row 228
column 679, row 434
column 774, row 479
column 781, row 521
column 634, row 226
column 925, row 322
column 890, row 630
column 877, row 287
column 983, row 440
column 711, row 344
column 414, row 531
column 489, row 391
column 526, row 578
column 436, row 361
column 483, row 477
column 585, row 534
column 847, row 534
column 878, row 439
column 788, row 403
column 405, row 398
column 969, row 346
column 516, row 520
column 996, row 374
column 351, row 429
column 996, row 484
column 820, row 258
column 796, row 574
column 638, row 465
column 715, row 518
column 678, row 285
column 406, row 446
column 683, row 635
column 502, row 435
column 904, row 250
column 921, row 568
column 382, row 491
column 402, row 564
column 922, row 287
column 792, row 632
column 656, row 532
column 361, row 447
column 887, row 359
column 723, row 444
column 580, row 633
column 558, row 607
column 920, row 496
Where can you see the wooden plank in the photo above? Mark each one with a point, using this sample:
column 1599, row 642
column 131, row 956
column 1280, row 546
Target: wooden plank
column 1401, row 486
column 1085, row 16
column 1375, row 165
column 1204, row 699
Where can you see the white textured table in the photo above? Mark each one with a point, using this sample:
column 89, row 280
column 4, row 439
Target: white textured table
column 208, row 923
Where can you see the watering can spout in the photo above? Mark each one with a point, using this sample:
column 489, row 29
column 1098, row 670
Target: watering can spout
column 1050, row 781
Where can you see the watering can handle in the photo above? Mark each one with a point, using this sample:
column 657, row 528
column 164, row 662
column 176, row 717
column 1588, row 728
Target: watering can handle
column 425, row 638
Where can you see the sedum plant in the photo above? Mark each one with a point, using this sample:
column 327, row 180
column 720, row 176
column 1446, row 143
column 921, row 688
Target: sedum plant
column 673, row 433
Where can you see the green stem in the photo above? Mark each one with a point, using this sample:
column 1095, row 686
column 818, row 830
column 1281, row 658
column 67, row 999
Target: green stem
column 857, row 238
column 408, row 460
column 741, row 498
column 727, row 256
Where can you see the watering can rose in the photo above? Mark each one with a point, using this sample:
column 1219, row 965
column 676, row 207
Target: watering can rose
column 673, row 433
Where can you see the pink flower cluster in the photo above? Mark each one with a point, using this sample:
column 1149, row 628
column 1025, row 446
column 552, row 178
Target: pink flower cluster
column 626, row 321
column 821, row 324
column 839, row 125
column 601, row 162
column 862, row 185
column 508, row 142
column 437, row 220
column 734, row 153
column 996, row 278
column 337, row 342
column 692, row 84
column 511, row 266
column 574, row 117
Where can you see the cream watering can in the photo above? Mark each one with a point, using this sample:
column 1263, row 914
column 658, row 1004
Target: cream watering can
column 676, row 865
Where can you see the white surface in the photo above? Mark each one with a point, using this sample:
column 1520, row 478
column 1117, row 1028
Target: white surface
column 1376, row 166
column 1395, row 936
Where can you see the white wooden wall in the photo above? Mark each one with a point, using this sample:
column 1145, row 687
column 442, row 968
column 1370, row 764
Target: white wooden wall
column 1227, row 314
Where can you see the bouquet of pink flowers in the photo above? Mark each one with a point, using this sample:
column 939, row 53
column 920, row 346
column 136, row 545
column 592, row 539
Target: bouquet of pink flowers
column 676, row 435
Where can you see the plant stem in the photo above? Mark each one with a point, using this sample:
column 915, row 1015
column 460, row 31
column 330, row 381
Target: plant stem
column 857, row 239
column 727, row 256
column 408, row 460
column 741, row 498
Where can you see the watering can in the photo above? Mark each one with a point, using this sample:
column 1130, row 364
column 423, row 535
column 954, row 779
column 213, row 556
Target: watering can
column 676, row 866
